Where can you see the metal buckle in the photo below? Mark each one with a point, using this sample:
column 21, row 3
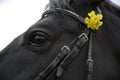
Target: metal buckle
column 84, row 35
column 90, row 66
column 66, row 48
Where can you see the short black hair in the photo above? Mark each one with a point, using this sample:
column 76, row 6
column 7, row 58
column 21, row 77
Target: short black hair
column 64, row 4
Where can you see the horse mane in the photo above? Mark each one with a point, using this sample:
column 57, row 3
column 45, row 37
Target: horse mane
column 115, row 6
column 65, row 4
column 59, row 4
column 112, row 7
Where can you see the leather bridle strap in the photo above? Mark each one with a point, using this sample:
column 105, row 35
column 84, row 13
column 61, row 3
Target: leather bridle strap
column 53, row 65
column 90, row 60
column 67, row 54
column 72, row 55
column 68, row 12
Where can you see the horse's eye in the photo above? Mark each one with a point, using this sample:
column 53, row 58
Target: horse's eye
column 38, row 39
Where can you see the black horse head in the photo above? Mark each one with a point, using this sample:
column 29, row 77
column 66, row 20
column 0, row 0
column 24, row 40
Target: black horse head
column 33, row 51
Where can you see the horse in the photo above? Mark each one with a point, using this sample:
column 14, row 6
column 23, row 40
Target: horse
column 38, row 53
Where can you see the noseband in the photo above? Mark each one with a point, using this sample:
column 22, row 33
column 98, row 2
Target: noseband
column 68, row 53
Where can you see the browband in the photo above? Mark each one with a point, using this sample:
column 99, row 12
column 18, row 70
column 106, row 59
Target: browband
column 69, row 12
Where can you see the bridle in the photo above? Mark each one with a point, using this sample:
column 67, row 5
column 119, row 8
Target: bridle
column 68, row 52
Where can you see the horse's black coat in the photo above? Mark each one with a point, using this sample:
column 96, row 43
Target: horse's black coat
column 32, row 51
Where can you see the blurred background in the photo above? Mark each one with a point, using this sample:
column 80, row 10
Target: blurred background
column 16, row 16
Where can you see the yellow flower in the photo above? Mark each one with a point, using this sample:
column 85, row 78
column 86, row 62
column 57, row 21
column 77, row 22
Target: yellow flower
column 94, row 20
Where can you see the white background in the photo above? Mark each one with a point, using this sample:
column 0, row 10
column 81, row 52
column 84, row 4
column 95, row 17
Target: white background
column 16, row 16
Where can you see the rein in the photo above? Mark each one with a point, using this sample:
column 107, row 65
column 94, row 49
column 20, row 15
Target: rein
column 69, row 52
